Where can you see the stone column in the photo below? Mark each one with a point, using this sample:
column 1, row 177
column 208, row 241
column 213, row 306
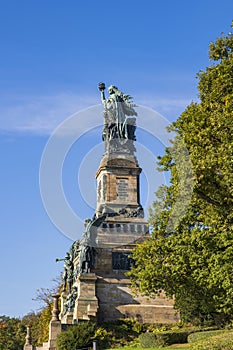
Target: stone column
column 55, row 310
column 55, row 324
column 28, row 345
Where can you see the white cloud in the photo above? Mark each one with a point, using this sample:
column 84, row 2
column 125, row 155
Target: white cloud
column 170, row 108
column 42, row 114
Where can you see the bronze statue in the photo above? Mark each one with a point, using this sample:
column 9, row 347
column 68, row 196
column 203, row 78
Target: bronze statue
column 117, row 110
column 70, row 300
column 86, row 259
column 74, row 249
column 67, row 278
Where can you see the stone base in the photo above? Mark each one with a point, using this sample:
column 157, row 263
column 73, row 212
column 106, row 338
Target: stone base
column 117, row 301
column 28, row 347
column 86, row 304
column 54, row 330
column 44, row 347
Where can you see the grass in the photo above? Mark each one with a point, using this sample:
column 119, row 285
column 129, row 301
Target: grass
column 218, row 339
column 174, row 346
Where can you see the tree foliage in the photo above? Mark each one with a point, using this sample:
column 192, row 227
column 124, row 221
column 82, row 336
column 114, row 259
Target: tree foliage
column 193, row 258
column 13, row 330
column 77, row 336
column 39, row 324
column 39, row 321
column 12, row 333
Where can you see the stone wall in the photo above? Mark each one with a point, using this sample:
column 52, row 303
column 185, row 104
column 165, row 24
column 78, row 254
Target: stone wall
column 116, row 299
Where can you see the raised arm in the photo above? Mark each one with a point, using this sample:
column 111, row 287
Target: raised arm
column 102, row 88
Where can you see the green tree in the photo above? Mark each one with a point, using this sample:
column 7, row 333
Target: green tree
column 191, row 256
column 39, row 323
column 12, row 333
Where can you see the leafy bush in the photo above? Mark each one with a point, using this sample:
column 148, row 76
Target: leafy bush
column 218, row 342
column 104, row 337
column 194, row 337
column 133, row 325
column 76, row 336
column 171, row 337
column 118, row 333
column 149, row 340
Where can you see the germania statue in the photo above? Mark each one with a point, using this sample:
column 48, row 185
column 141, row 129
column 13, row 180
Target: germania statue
column 119, row 120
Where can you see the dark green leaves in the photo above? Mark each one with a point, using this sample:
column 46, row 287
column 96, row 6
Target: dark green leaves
column 194, row 259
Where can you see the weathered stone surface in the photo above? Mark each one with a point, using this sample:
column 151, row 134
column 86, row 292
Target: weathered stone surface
column 54, row 330
column 86, row 304
column 149, row 313
column 54, row 326
column 118, row 183
column 115, row 296
column 29, row 347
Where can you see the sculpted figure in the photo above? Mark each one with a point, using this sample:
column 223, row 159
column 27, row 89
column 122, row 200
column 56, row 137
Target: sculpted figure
column 67, row 278
column 117, row 108
column 86, row 259
column 70, row 300
column 89, row 259
column 74, row 250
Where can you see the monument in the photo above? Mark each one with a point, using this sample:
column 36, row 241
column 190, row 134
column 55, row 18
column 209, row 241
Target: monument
column 95, row 284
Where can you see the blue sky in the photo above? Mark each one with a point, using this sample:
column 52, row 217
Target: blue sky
column 53, row 55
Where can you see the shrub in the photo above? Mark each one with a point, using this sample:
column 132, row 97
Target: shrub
column 104, row 338
column 148, row 340
column 76, row 336
column 131, row 325
column 118, row 333
column 194, row 337
column 218, row 342
column 171, row 337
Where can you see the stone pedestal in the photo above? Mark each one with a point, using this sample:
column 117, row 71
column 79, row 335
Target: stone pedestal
column 118, row 184
column 115, row 297
column 27, row 345
column 55, row 324
column 54, row 330
column 86, row 304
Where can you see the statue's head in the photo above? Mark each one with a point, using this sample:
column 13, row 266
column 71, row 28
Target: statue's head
column 112, row 89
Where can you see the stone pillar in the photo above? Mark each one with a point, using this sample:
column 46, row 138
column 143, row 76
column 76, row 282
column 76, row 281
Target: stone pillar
column 55, row 324
column 86, row 304
column 55, row 310
column 28, row 345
